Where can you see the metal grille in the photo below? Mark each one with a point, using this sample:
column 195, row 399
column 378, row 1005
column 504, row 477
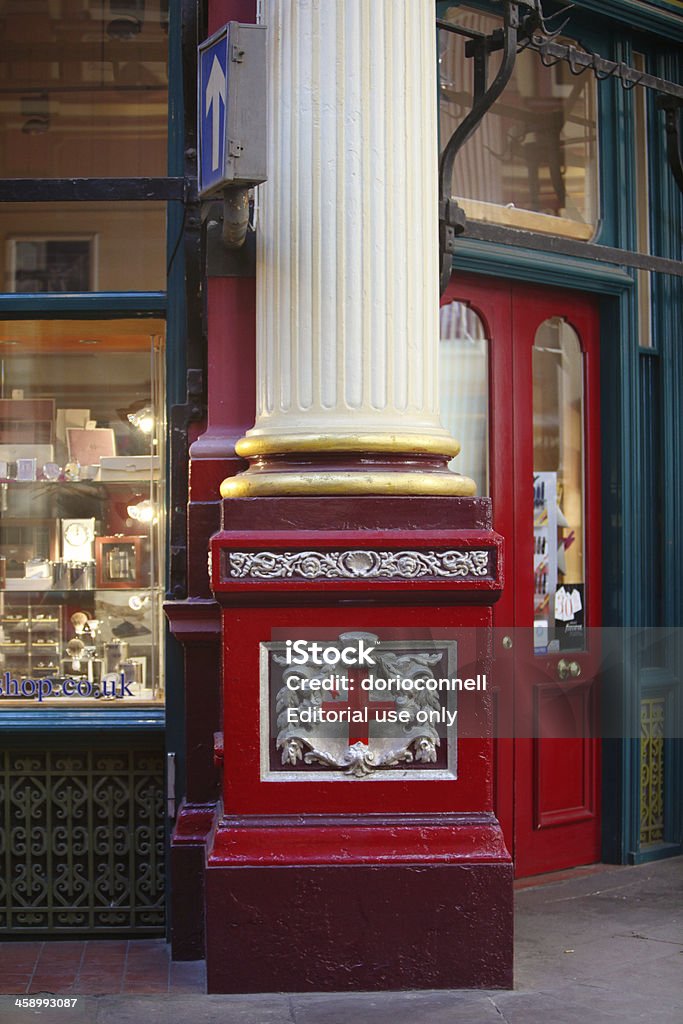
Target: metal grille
column 81, row 841
column 652, row 714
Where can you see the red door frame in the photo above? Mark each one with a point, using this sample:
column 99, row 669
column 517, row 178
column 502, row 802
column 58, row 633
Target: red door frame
column 511, row 313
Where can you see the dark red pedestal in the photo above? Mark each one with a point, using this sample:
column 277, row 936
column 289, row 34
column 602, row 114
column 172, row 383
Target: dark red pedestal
column 196, row 625
column 339, row 875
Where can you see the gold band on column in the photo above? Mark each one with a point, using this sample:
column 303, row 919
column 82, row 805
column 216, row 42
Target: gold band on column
column 347, row 463
column 396, row 444
column 254, row 484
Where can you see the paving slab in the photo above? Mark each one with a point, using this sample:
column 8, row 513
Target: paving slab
column 396, row 1008
column 194, row 1010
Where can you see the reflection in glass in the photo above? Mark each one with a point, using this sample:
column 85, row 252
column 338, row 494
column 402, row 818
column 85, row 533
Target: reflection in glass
column 559, row 578
column 83, row 89
column 81, row 507
column 532, row 163
column 82, row 247
column 464, row 389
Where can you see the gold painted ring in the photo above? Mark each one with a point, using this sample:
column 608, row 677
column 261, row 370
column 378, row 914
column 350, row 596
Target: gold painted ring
column 410, row 444
column 250, row 485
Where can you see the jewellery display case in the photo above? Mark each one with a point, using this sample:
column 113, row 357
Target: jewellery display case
column 81, row 512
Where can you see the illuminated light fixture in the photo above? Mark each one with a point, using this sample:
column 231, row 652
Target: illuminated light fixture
column 142, row 419
column 137, row 603
column 144, row 512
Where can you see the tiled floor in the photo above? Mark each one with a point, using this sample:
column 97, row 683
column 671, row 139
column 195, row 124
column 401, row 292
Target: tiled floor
column 102, row 967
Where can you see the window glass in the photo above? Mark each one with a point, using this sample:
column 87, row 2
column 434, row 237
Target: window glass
column 559, row 571
column 81, row 511
column 83, row 88
column 532, row 163
column 83, row 247
column 464, row 389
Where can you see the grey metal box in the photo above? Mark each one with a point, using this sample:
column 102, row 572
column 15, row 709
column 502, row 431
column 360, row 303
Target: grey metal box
column 232, row 108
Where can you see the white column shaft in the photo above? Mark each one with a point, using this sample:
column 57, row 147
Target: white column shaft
column 347, row 271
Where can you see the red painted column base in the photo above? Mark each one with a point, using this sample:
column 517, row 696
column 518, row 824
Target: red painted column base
column 316, row 884
column 359, row 904
column 191, row 834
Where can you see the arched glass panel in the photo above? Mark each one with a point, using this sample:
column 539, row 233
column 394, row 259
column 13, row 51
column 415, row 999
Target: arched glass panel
column 559, row 537
column 464, row 389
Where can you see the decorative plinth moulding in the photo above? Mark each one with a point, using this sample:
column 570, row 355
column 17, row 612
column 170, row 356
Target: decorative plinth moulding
column 358, row 564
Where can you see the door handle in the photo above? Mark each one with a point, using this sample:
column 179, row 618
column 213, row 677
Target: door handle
column 565, row 669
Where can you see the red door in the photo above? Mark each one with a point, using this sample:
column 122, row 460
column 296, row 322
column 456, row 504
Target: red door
column 520, row 391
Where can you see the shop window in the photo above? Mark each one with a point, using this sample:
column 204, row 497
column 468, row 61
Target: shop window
column 81, row 512
column 532, row 163
column 85, row 88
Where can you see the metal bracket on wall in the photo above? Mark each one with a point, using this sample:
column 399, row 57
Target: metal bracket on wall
column 530, row 29
column 452, row 218
column 223, row 261
column 191, row 411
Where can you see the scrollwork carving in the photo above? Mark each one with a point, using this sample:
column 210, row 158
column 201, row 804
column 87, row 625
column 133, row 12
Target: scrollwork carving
column 357, row 564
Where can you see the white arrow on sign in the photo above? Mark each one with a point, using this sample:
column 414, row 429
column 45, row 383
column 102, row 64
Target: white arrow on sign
column 215, row 93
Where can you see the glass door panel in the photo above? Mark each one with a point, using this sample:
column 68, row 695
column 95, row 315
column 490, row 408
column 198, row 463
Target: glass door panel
column 558, row 468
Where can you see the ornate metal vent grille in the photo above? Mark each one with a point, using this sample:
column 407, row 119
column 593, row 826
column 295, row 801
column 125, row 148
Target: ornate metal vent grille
column 81, row 841
column 652, row 716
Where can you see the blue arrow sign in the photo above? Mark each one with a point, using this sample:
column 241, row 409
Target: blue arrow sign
column 213, row 73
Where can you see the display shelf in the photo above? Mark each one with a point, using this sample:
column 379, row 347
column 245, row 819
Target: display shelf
column 118, row 479
column 75, row 591
column 29, row 641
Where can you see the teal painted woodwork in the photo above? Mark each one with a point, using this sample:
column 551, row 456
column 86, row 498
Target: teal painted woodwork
column 649, row 15
column 476, row 257
column 59, row 305
column 30, row 720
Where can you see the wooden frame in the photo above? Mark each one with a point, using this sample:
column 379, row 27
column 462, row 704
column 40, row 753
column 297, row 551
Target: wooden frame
column 118, row 563
column 47, row 269
column 88, row 446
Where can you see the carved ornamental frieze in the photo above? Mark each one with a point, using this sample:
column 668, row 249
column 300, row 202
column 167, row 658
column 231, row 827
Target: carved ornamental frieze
column 357, row 564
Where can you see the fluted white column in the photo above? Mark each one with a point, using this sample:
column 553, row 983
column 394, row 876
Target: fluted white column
column 347, row 264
